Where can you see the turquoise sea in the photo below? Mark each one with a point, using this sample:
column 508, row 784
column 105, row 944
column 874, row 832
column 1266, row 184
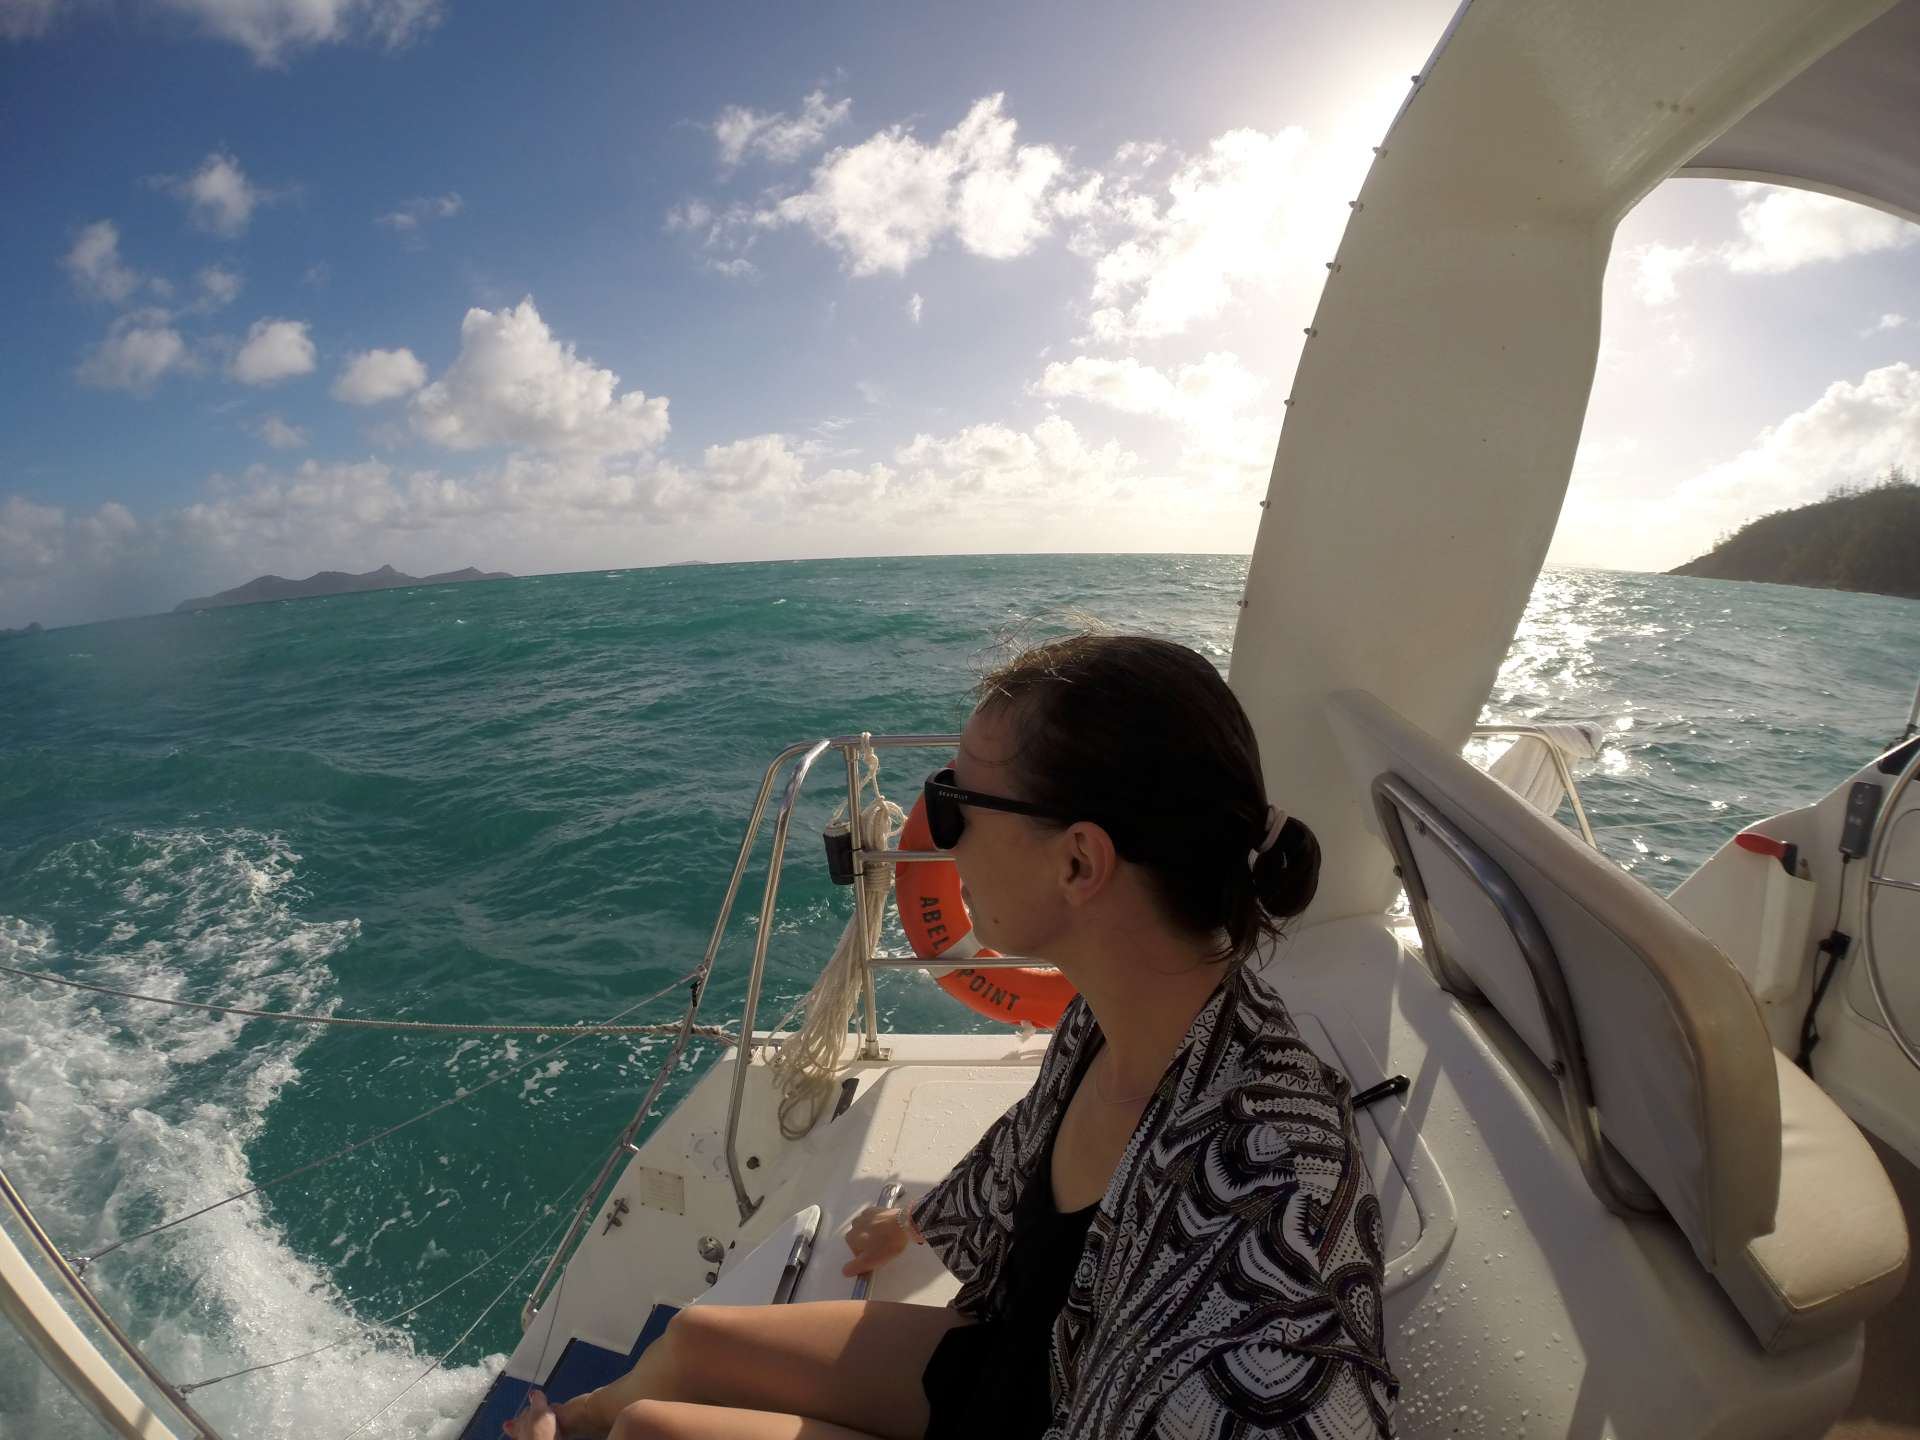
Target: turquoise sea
column 520, row 800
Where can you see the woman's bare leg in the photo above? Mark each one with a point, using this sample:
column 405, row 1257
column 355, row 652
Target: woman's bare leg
column 852, row 1363
column 672, row 1420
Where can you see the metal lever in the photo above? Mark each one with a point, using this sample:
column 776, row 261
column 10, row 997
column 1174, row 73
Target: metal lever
column 889, row 1193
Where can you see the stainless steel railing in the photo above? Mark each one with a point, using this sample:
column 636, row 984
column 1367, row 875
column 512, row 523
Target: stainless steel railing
column 1561, row 768
column 851, row 746
column 803, row 756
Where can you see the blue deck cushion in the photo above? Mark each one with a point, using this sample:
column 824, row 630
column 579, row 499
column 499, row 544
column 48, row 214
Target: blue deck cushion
column 580, row 1368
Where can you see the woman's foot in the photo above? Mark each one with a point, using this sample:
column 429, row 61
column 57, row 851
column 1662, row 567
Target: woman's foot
column 537, row 1422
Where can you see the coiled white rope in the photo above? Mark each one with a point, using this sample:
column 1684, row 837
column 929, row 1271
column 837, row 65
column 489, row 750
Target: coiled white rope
column 809, row 1058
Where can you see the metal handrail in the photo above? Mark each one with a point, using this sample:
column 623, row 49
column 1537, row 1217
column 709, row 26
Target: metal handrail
column 625, row 1143
column 1565, row 772
column 807, row 753
column 1879, row 880
column 1393, row 797
column 852, row 745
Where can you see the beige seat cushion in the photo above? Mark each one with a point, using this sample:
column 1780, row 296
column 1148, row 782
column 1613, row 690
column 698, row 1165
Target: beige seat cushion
column 1681, row 1064
column 1838, row 1251
column 1783, row 1199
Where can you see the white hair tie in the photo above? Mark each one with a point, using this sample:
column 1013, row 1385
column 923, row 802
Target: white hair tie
column 1276, row 818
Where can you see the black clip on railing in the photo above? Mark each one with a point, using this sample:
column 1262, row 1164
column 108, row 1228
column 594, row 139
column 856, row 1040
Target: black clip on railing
column 1394, row 1085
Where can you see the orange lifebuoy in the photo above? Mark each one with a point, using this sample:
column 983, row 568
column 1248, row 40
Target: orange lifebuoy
column 935, row 918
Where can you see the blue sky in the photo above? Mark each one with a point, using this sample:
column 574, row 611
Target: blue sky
column 303, row 284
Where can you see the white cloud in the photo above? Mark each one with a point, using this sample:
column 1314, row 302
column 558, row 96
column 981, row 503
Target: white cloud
column 1050, row 467
column 1230, row 218
column 741, row 132
column 756, row 464
column 1890, row 321
column 695, row 214
column 1854, row 431
column 761, row 495
column 1222, row 447
column 412, row 217
column 270, row 30
column 219, row 286
column 274, row 350
column 1656, row 268
column 37, row 540
column 724, row 236
column 220, row 199
column 280, row 434
column 375, row 375
column 885, row 202
column 1207, row 393
column 1782, row 230
column 1138, row 154
column 916, row 307
column 141, row 348
column 95, row 265
column 514, row 384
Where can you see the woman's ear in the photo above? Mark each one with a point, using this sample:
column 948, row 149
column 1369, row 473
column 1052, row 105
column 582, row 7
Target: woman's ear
column 1088, row 862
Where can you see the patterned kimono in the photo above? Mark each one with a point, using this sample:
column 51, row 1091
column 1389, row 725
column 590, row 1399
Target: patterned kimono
column 1230, row 1284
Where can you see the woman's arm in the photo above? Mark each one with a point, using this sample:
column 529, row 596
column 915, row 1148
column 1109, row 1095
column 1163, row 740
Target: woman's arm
column 967, row 1218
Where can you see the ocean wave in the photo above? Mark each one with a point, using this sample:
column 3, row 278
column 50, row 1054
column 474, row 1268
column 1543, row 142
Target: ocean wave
column 114, row 1115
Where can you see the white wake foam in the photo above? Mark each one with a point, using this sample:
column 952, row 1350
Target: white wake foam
column 114, row 1114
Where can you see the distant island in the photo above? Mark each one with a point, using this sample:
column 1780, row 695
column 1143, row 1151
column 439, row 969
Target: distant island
column 330, row 582
column 31, row 628
column 1861, row 537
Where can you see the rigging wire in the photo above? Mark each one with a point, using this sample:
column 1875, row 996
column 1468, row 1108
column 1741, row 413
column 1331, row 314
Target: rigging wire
column 1710, row 817
column 441, row 1359
column 369, row 1325
column 465, row 1093
column 354, row 1022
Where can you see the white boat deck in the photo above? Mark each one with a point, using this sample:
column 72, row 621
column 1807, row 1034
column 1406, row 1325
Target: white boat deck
column 1517, row 1303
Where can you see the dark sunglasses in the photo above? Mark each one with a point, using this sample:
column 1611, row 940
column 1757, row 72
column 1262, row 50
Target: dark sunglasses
column 946, row 820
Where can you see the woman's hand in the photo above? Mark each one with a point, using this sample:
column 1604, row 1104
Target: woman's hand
column 875, row 1236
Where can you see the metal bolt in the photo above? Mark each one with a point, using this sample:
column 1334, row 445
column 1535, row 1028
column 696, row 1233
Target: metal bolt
column 1333, row 266
column 710, row 1250
column 1355, row 205
column 753, row 1162
column 1311, row 332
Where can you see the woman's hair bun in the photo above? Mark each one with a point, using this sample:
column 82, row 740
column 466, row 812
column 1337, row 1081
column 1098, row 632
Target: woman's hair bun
column 1287, row 873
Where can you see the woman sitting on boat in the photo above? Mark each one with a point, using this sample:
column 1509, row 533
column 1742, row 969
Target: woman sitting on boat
column 1173, row 1233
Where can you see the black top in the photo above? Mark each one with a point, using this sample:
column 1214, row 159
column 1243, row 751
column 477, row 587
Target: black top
column 993, row 1377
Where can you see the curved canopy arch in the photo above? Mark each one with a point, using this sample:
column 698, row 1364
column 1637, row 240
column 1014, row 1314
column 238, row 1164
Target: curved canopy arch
column 1442, row 389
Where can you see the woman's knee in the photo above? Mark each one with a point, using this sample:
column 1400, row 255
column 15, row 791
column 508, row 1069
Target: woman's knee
column 700, row 1332
column 643, row 1420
